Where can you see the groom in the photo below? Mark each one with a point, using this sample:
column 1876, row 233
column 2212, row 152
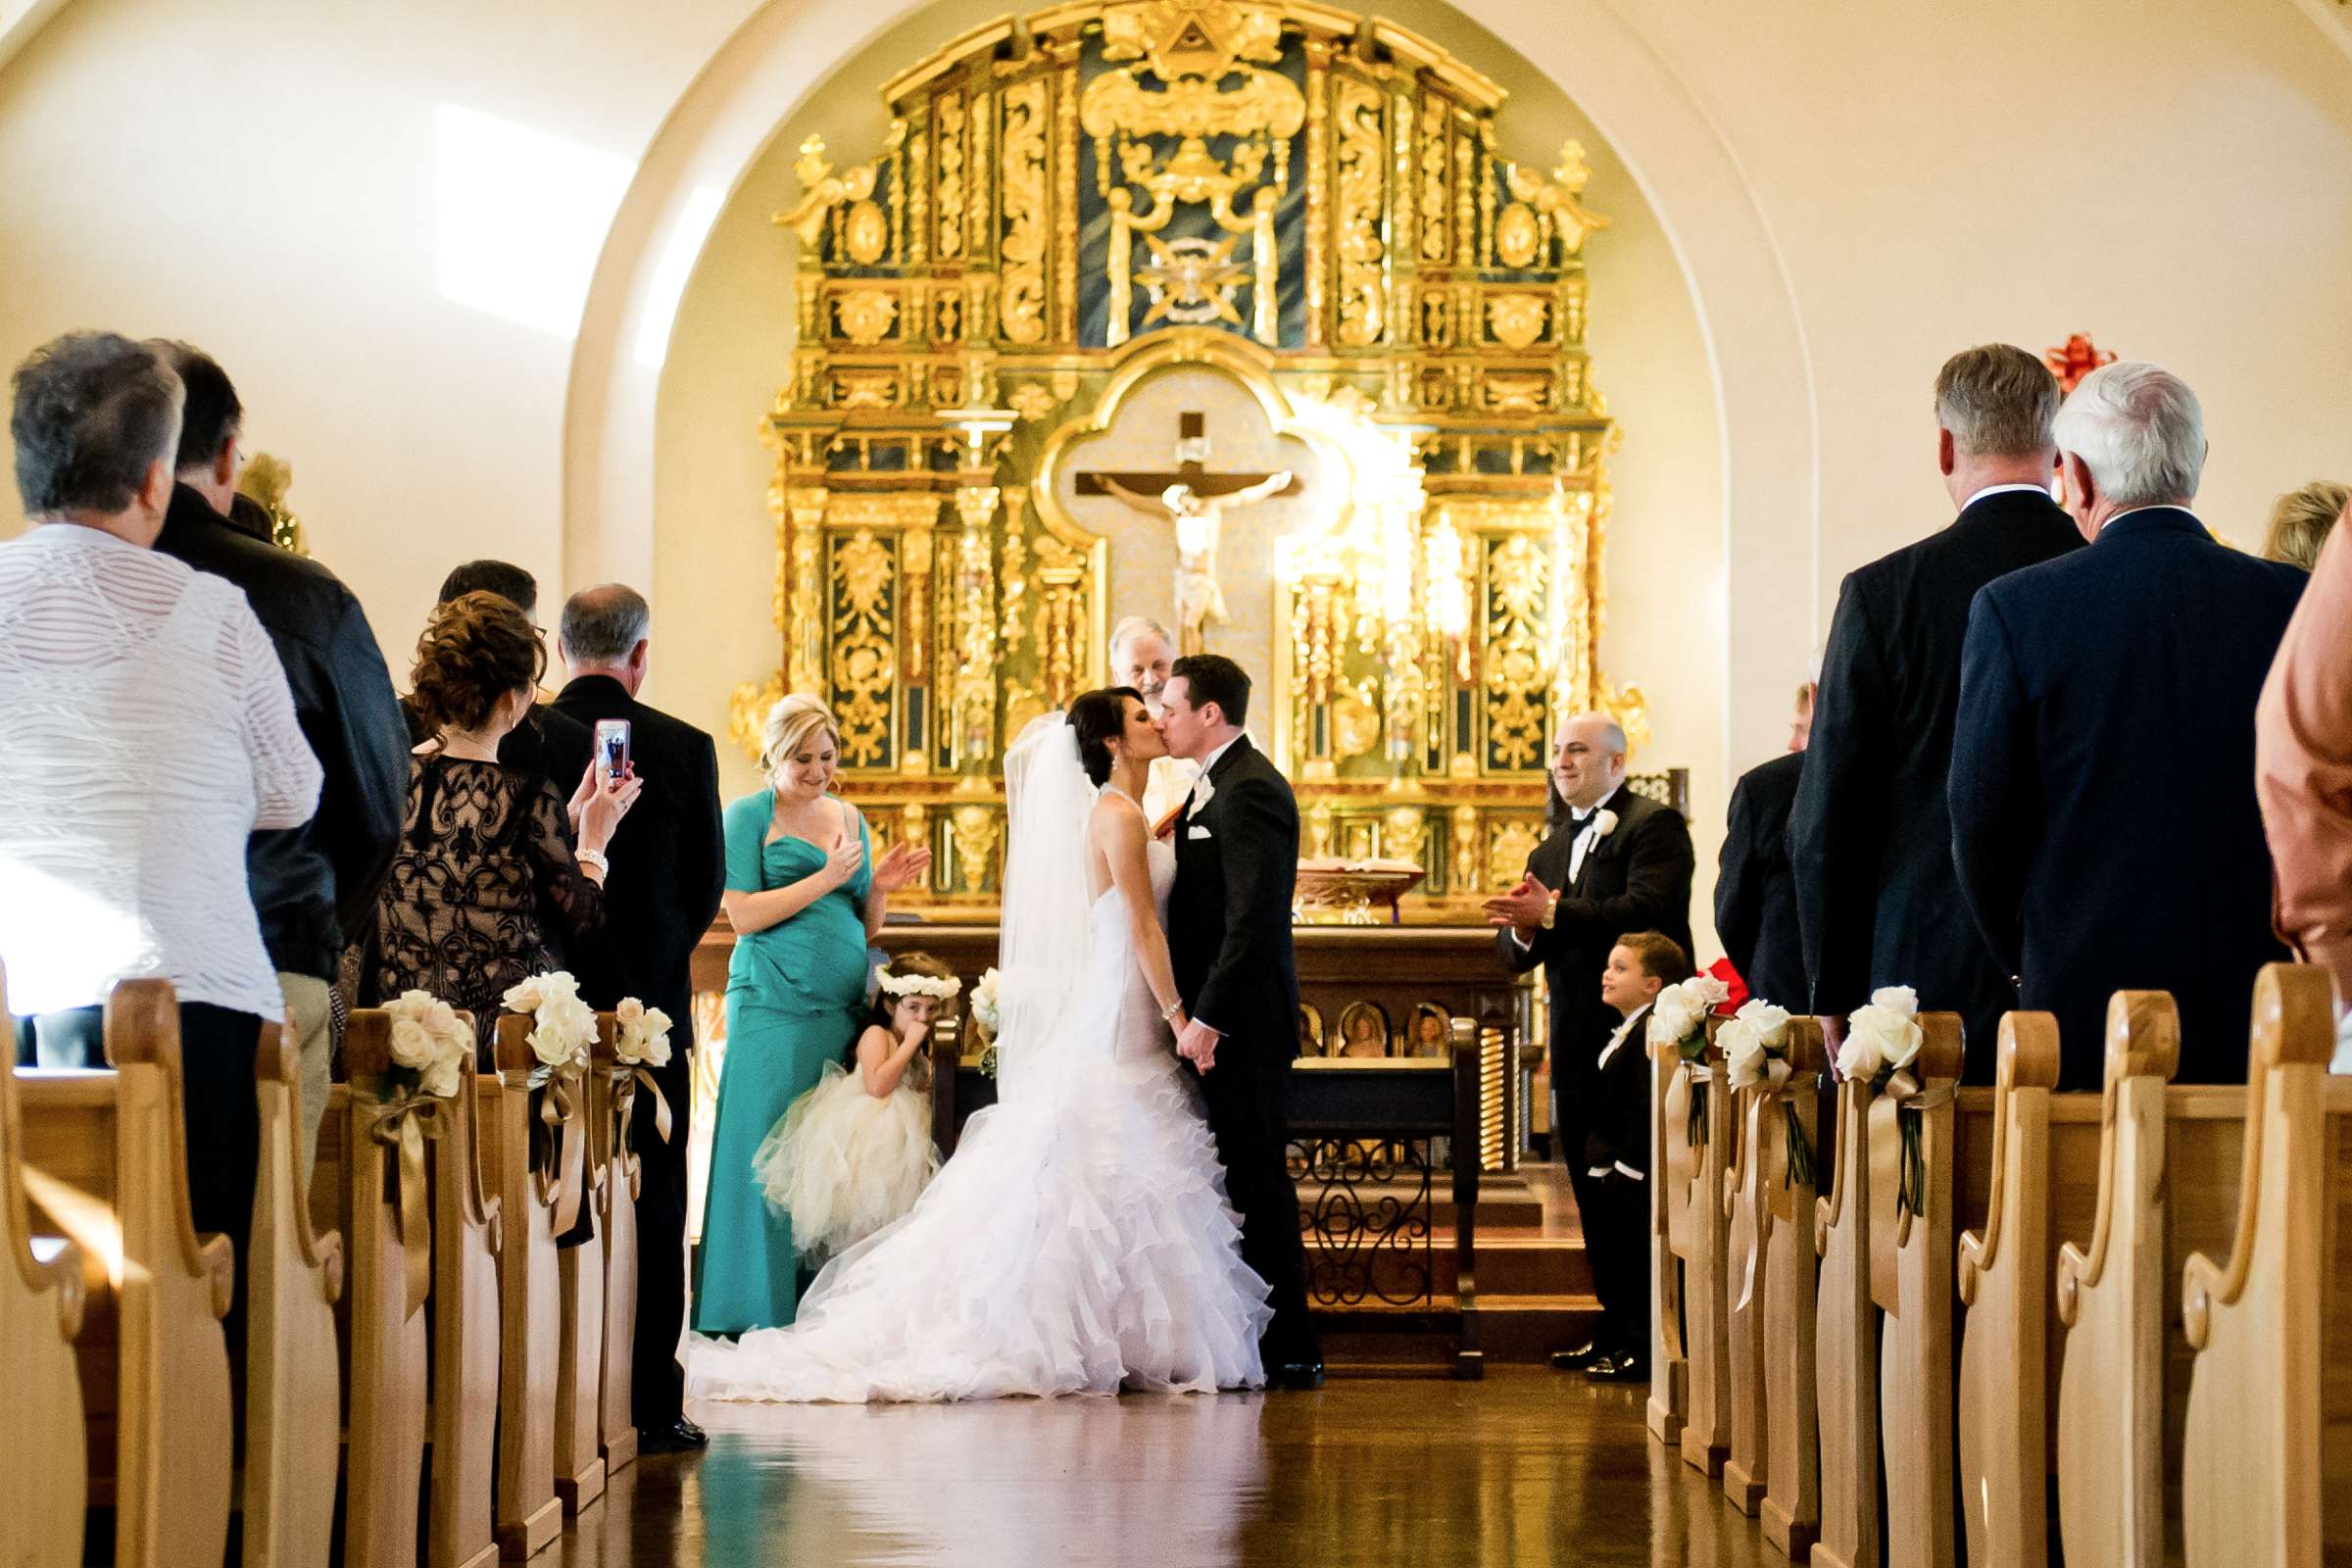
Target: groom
column 1229, row 938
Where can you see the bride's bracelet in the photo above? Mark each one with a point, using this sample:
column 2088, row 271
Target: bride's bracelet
column 1167, row 1015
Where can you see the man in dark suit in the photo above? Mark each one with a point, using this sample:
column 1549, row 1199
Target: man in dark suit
column 2104, row 820
column 661, row 896
column 1755, row 896
column 314, row 886
column 1869, row 839
column 1620, row 863
column 1229, row 942
column 547, row 742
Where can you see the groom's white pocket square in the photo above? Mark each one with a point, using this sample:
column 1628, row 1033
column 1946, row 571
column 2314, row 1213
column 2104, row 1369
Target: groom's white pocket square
column 1199, row 832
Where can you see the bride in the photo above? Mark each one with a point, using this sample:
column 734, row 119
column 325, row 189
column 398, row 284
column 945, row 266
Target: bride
column 1080, row 1240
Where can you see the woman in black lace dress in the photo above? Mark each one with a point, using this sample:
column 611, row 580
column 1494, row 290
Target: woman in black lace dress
column 485, row 866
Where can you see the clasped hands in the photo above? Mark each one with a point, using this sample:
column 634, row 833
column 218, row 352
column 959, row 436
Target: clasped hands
column 1196, row 1043
column 1523, row 907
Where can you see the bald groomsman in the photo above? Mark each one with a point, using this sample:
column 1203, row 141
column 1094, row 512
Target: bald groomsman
column 1619, row 863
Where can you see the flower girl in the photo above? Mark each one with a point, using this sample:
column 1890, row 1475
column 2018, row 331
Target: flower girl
column 853, row 1155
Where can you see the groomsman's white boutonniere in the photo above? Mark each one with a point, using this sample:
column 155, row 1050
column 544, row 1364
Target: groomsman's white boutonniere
column 641, row 1040
column 1601, row 824
column 1882, row 1044
column 1755, row 1053
column 1679, row 1019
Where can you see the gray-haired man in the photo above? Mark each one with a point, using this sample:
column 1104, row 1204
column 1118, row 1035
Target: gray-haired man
column 659, row 898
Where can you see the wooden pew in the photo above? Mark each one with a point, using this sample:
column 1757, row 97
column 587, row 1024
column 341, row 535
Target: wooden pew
column 2038, row 1151
column 1748, row 1217
column 536, row 1206
column 104, row 1160
column 580, row 1290
column 2267, row 1455
column 1669, row 1219
column 1782, row 1483
column 2165, row 1185
column 358, row 1177
column 1883, row 1318
column 1691, row 1177
column 612, row 1098
column 293, row 1382
column 44, row 1484
column 1912, row 1259
column 466, row 1341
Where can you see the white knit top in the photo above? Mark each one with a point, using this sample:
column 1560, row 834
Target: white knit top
column 145, row 732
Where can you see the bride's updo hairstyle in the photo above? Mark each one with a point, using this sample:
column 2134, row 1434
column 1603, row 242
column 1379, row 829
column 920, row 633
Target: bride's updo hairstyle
column 476, row 649
column 1098, row 718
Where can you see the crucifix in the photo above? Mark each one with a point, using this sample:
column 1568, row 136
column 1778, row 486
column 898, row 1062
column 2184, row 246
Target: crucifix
column 1194, row 500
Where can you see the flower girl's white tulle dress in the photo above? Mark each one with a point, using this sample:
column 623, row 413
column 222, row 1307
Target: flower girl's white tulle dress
column 1078, row 1242
column 844, row 1163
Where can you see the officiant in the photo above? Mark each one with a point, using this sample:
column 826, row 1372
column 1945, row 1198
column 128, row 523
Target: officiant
column 1619, row 863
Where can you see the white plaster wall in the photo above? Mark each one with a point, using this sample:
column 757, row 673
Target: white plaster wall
column 266, row 177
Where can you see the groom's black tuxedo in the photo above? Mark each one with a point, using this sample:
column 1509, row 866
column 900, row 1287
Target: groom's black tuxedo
column 1229, row 939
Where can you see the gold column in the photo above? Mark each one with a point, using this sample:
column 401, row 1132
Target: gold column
column 974, row 706
column 1318, row 183
column 805, row 630
column 1064, row 52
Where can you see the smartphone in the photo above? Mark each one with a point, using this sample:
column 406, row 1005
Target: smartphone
column 612, row 747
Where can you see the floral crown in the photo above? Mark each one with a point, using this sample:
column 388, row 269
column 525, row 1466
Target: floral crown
column 920, row 984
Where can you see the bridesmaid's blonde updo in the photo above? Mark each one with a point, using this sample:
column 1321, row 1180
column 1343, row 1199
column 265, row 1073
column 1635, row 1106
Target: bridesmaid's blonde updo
column 790, row 724
column 476, row 649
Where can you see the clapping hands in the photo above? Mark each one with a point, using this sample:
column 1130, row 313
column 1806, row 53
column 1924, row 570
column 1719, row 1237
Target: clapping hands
column 1523, row 907
column 902, row 866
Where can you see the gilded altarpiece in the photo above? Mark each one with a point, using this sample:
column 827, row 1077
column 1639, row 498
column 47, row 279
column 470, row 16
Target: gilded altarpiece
column 1304, row 212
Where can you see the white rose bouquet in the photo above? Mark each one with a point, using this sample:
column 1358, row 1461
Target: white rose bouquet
column 1882, row 1044
column 989, row 1014
column 641, row 1040
column 1679, row 1019
column 562, row 1026
column 429, row 1043
column 1755, row 1051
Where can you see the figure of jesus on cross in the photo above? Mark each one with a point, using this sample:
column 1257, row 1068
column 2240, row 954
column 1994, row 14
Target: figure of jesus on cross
column 1196, row 501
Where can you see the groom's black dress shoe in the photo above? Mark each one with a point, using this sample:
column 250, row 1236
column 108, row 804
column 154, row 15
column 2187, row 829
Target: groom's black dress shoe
column 676, row 1438
column 1576, row 1360
column 1296, row 1375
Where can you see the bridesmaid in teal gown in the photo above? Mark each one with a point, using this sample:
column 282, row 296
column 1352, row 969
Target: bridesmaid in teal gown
column 804, row 902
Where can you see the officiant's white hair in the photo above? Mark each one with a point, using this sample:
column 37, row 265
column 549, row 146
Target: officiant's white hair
column 2139, row 430
column 1132, row 624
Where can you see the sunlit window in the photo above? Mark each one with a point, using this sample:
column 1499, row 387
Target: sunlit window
column 522, row 217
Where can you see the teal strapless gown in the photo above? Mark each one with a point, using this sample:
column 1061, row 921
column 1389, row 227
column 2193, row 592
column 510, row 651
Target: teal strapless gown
column 796, row 996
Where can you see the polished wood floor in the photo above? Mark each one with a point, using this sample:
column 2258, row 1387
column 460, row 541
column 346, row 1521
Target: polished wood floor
column 1526, row 1469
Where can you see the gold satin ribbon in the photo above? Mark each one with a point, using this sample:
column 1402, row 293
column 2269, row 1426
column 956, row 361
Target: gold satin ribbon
column 1898, row 1172
column 1682, row 1158
column 644, row 1080
column 402, row 1125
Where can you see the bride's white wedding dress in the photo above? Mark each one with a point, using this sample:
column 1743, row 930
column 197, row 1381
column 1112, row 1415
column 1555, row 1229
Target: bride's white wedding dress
column 1078, row 1242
